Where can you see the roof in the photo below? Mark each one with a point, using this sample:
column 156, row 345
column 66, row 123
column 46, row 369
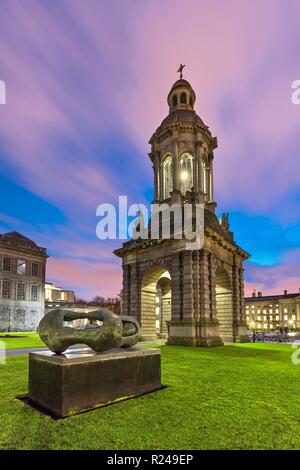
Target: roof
column 16, row 239
column 272, row 297
column 188, row 116
column 19, row 237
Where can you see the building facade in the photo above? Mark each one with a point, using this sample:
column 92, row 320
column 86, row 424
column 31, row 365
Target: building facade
column 192, row 296
column 272, row 312
column 56, row 296
column 22, row 282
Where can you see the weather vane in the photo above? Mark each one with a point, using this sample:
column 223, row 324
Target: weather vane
column 180, row 70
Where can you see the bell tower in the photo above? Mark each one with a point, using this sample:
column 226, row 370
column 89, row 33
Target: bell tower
column 182, row 152
column 190, row 296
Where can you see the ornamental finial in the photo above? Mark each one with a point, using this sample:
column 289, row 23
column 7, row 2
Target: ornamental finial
column 180, row 70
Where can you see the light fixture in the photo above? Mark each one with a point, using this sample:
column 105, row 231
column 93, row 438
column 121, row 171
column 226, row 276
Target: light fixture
column 184, row 175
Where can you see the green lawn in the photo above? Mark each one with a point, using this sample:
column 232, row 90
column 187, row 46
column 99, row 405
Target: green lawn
column 20, row 340
column 234, row 397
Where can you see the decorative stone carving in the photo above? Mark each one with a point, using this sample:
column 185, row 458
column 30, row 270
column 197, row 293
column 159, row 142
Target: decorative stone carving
column 115, row 331
column 224, row 222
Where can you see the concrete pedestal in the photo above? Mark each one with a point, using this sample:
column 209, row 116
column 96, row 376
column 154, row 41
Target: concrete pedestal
column 80, row 380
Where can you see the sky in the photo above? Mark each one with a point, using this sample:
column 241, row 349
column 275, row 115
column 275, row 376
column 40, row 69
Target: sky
column 86, row 86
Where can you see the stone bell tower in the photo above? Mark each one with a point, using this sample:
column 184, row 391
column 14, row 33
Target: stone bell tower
column 192, row 297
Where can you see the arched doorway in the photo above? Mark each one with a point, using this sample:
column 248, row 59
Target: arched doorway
column 224, row 305
column 155, row 303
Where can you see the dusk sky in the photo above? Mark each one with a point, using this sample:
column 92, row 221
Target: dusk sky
column 87, row 84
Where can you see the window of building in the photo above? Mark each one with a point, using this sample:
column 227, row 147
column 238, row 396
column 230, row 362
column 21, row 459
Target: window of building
column 264, row 310
column 20, row 291
column 35, row 269
column 6, row 289
column 186, row 172
column 258, row 311
column 270, row 310
column 175, row 101
column 271, row 326
column 277, row 311
column 168, row 176
column 285, row 310
column 183, row 98
column 293, row 317
column 265, row 326
column 21, row 266
column 34, row 292
column 259, row 326
column 265, row 317
column 271, row 317
column 7, row 264
column 258, row 317
column 285, row 317
column 277, row 317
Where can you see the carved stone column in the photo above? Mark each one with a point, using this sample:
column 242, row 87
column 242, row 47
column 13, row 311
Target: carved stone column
column 208, row 325
column 157, row 179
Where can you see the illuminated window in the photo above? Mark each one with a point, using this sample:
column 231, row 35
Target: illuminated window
column 259, row 326
column 265, row 317
column 271, row 317
column 270, row 310
column 168, row 176
column 277, row 317
column 34, row 292
column 265, row 326
column 20, row 291
column 7, row 264
column 186, row 172
column 258, row 311
column 6, row 289
column 21, row 266
column 264, row 310
column 35, row 269
column 285, row 310
column 258, row 317
column 271, row 326
column 285, row 317
column 293, row 317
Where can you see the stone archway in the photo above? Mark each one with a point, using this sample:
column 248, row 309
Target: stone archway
column 155, row 303
column 224, row 305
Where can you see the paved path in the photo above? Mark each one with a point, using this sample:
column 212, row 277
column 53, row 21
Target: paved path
column 25, row 351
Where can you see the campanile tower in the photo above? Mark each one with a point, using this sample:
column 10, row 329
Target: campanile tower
column 192, row 297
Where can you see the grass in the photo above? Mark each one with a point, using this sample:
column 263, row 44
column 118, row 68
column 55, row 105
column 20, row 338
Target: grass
column 235, row 397
column 20, row 340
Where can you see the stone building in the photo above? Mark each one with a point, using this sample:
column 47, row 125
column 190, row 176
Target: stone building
column 22, row 281
column 267, row 313
column 56, row 296
column 194, row 297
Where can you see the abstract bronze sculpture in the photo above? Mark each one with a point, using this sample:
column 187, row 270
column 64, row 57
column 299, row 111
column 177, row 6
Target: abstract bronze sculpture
column 115, row 332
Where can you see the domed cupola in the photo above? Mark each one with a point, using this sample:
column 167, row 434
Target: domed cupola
column 182, row 151
column 181, row 96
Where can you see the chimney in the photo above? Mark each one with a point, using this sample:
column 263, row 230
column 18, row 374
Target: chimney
column 285, row 292
column 259, row 294
column 254, row 293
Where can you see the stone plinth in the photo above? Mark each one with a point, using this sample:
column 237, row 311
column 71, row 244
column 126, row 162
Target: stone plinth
column 80, row 380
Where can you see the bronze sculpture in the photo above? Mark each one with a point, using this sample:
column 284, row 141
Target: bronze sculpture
column 116, row 331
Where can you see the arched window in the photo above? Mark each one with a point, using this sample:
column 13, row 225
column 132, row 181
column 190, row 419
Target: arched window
column 175, row 100
column 183, row 98
column 168, row 176
column 186, row 172
column 191, row 101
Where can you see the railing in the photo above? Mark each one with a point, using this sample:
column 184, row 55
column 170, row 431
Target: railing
column 272, row 338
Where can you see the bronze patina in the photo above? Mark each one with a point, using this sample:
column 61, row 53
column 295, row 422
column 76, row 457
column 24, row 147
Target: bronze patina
column 115, row 331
